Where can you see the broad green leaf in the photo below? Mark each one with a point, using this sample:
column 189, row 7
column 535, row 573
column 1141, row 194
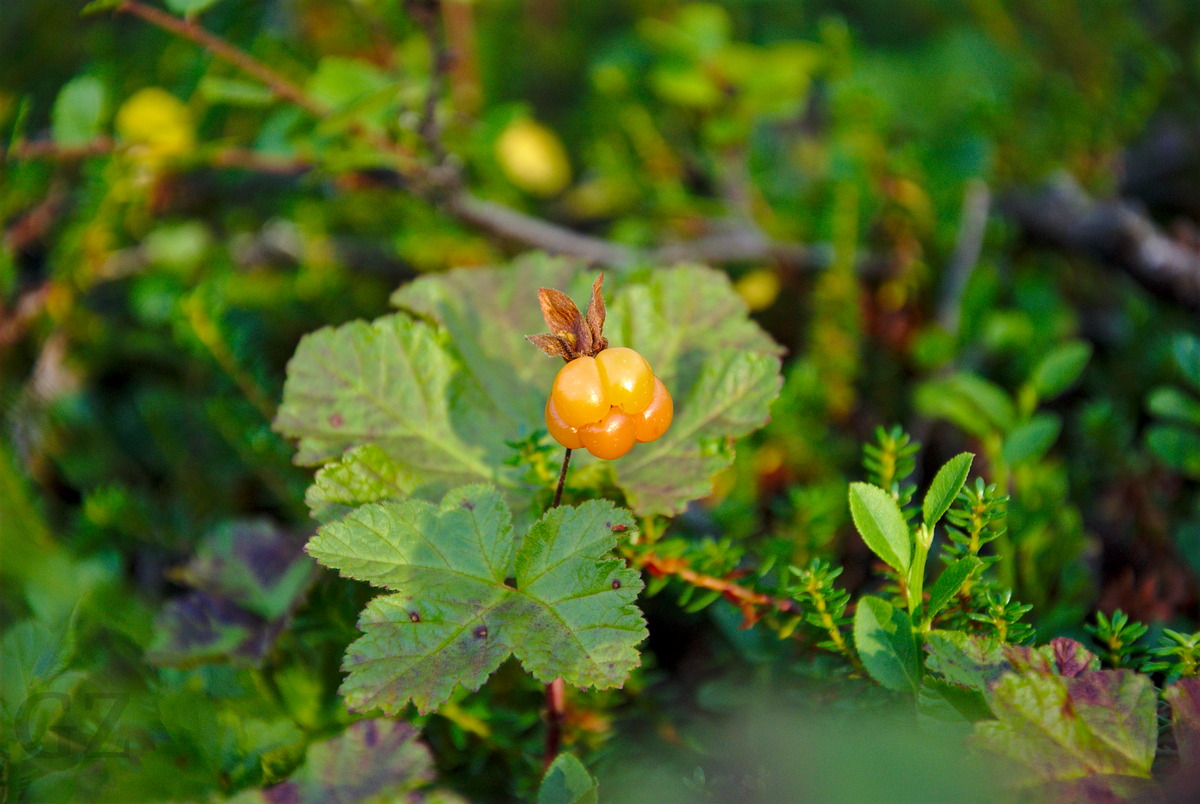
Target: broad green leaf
column 949, row 582
column 1031, row 440
column 190, row 8
column 364, row 474
column 1060, row 368
column 392, row 383
column 370, row 760
column 1172, row 403
column 884, row 638
column 974, row 404
column 945, row 487
column 965, row 659
column 567, row 781
column 355, row 91
column 1177, row 447
column 468, row 592
column 689, row 324
column 878, row 518
column 1057, row 728
column 78, row 111
column 1186, row 349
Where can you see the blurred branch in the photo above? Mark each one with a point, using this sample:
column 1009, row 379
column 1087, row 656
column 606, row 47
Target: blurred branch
column 190, row 30
column 977, row 205
column 1114, row 232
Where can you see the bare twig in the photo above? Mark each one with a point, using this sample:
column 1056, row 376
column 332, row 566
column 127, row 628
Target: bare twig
column 1114, row 232
column 425, row 12
column 977, row 204
column 749, row 602
column 556, row 692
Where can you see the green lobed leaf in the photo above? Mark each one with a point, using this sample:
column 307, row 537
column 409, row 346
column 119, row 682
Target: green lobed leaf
column 949, row 582
column 883, row 635
column 1030, row 440
column 1061, row 368
column 878, row 518
column 965, row 659
column 78, row 111
column 1057, row 728
column 468, row 593
column 1172, row 403
column 392, row 383
column 1186, row 348
column 945, row 487
column 362, row 475
column 689, row 324
column 567, row 781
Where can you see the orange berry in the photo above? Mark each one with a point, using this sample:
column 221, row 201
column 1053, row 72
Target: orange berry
column 563, row 433
column 656, row 418
column 627, row 378
column 578, row 393
column 609, row 438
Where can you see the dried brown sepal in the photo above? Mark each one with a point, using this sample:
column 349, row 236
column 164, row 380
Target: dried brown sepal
column 564, row 319
column 552, row 345
column 595, row 316
column 571, row 335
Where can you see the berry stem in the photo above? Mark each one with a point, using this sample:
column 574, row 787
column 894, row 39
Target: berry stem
column 562, row 479
column 556, row 691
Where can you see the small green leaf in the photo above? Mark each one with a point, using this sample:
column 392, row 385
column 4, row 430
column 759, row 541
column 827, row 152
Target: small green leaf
column 78, row 111
column 1186, row 349
column 1176, row 446
column 1172, row 403
column 468, row 593
column 1060, row 369
column 567, row 781
column 235, row 91
column 945, row 487
column 879, row 520
column 949, row 582
column 96, row 6
column 1057, row 728
column 190, row 8
column 883, row 635
column 1031, row 440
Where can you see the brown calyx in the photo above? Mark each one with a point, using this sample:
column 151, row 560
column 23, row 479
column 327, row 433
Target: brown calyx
column 571, row 334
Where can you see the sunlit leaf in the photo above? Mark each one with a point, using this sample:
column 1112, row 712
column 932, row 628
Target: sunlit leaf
column 945, row 487
column 883, row 636
column 878, row 518
column 78, row 111
column 1060, row 368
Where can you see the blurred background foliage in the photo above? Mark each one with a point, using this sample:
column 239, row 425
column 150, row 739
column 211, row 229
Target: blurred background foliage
column 172, row 227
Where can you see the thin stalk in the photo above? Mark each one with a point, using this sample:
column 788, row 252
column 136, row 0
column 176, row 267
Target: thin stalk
column 556, row 691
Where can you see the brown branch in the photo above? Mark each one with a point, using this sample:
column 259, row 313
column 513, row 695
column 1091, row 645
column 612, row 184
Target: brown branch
column 748, row 601
column 190, row 30
column 1114, row 232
